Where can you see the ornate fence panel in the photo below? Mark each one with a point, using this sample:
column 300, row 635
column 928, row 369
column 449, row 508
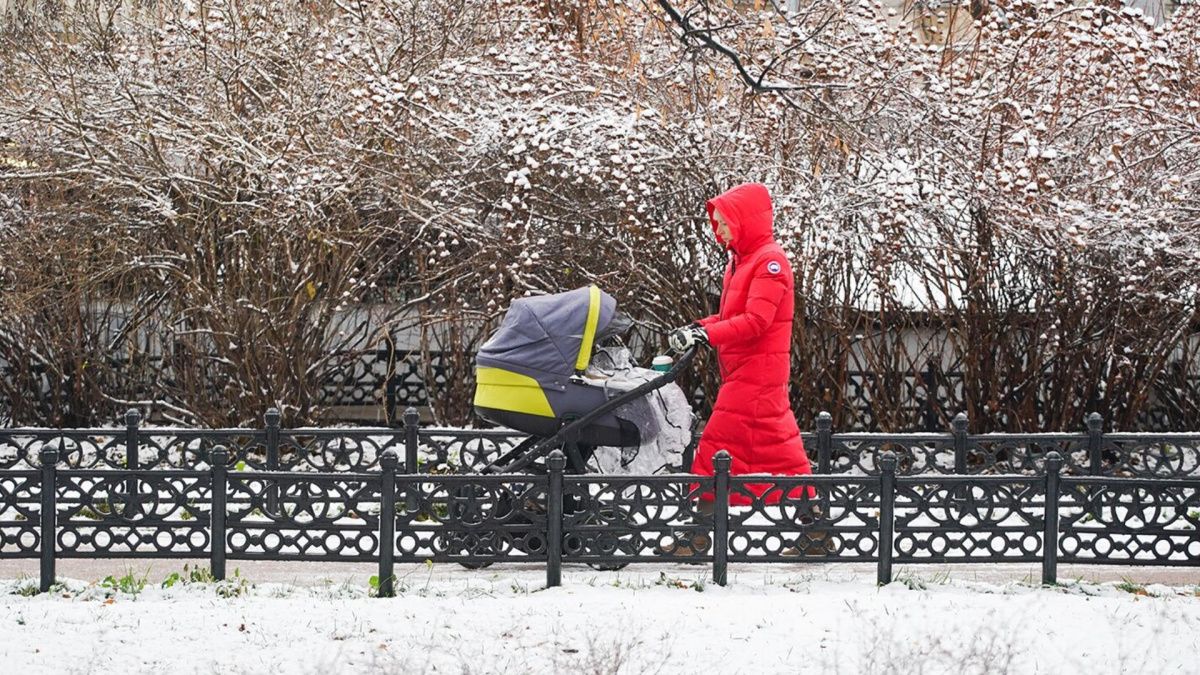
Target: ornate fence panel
column 1130, row 521
column 471, row 519
column 189, row 448
column 20, row 500
column 811, row 517
column 969, row 519
column 346, row 495
column 1144, row 455
column 466, row 451
column 334, row 450
column 611, row 521
column 302, row 516
column 132, row 514
column 859, row 454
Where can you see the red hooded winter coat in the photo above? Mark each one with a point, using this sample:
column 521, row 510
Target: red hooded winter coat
column 752, row 334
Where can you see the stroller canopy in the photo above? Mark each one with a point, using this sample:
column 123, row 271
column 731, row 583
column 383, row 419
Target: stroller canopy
column 549, row 334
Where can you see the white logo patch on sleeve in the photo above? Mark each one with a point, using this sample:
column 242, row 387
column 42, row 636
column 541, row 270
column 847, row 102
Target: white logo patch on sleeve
column 774, row 267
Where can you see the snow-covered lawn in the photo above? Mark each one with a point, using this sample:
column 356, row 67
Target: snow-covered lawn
column 655, row 619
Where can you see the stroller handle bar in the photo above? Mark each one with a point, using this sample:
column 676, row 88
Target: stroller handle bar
column 567, row 430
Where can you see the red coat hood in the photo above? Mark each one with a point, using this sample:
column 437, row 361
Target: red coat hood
column 750, row 214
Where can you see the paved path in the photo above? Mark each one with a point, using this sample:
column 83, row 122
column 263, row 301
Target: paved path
column 309, row 573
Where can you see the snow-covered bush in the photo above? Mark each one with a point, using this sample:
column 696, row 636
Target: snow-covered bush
column 1019, row 205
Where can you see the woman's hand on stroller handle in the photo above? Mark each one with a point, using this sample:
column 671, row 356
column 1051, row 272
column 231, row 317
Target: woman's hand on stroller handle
column 685, row 337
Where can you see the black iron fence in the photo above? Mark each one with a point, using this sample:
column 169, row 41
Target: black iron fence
column 386, row 517
column 389, row 496
column 394, row 381
column 928, row 396
column 425, row 449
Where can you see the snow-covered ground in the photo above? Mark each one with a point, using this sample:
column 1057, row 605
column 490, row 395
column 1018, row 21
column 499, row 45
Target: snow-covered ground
column 651, row 619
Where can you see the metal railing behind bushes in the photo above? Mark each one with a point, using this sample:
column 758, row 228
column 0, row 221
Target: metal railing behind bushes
column 395, row 380
column 927, row 396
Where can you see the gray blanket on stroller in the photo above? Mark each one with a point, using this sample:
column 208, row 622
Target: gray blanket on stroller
column 664, row 417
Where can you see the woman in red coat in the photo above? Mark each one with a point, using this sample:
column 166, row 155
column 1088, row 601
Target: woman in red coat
column 752, row 333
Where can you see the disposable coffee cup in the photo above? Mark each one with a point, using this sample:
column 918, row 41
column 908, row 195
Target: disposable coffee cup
column 663, row 363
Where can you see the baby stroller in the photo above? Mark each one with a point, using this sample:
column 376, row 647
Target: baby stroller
column 532, row 377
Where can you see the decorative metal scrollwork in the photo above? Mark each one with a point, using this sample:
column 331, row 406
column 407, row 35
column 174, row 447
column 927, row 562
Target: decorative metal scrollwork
column 973, row 519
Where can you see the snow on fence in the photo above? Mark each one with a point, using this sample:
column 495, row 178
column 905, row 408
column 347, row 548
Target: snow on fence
column 335, row 494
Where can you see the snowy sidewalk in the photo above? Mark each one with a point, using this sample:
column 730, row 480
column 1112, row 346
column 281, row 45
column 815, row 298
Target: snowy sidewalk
column 323, row 573
column 645, row 619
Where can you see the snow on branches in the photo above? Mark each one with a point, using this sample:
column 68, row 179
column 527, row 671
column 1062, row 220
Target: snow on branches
column 961, row 159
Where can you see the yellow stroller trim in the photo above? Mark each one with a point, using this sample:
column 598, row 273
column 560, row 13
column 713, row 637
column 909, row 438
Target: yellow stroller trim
column 501, row 389
column 589, row 330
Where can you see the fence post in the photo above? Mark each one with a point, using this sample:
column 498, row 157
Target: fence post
column 960, row 443
column 721, row 464
column 1095, row 424
column 49, row 516
column 387, row 523
column 1054, row 462
column 557, row 462
column 218, row 460
column 824, row 442
column 132, row 419
column 273, row 417
column 412, row 442
column 887, row 504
